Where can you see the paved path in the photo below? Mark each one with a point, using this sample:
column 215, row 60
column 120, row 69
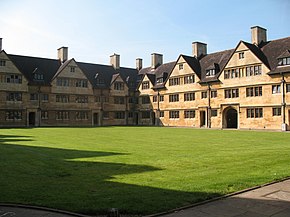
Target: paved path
column 14, row 211
column 272, row 200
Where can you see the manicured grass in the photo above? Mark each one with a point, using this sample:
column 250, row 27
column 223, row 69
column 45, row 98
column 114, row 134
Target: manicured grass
column 140, row 170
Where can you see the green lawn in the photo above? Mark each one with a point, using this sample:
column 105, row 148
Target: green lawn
column 140, row 170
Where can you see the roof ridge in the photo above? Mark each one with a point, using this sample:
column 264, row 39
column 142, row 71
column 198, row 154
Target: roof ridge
column 105, row 65
column 43, row 58
column 227, row 50
column 279, row 39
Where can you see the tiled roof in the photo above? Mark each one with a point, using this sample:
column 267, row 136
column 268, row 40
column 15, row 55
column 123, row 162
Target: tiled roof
column 105, row 73
column 161, row 72
column 28, row 66
column 101, row 76
column 130, row 76
column 194, row 64
column 151, row 77
column 285, row 54
column 63, row 65
column 215, row 61
column 274, row 49
column 278, row 70
column 258, row 53
column 50, row 68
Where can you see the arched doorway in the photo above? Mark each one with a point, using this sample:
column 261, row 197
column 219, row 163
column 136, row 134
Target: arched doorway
column 231, row 118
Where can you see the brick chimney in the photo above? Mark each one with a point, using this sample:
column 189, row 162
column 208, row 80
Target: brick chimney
column 139, row 63
column 156, row 60
column 259, row 35
column 199, row 49
column 62, row 54
column 115, row 60
column 0, row 44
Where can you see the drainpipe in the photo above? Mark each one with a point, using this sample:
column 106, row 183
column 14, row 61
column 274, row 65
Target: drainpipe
column 283, row 103
column 127, row 108
column 102, row 109
column 158, row 109
column 39, row 107
column 209, row 107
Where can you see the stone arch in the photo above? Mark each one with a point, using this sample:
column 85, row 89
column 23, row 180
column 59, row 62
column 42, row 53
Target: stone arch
column 230, row 117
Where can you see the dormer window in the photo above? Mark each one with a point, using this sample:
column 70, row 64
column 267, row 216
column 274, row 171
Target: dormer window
column 159, row 80
column 210, row 72
column 100, row 81
column 38, row 76
column 284, row 61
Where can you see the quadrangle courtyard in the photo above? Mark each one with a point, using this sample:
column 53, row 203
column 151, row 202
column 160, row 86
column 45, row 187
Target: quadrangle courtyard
column 139, row 170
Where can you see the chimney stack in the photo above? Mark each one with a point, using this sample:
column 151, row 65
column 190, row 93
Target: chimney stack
column 0, row 44
column 115, row 61
column 259, row 35
column 156, row 60
column 62, row 54
column 139, row 64
column 199, row 49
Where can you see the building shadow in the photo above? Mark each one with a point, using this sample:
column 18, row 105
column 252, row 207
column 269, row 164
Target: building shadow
column 70, row 180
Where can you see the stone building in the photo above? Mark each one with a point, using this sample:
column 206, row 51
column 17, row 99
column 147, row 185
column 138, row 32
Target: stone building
column 61, row 92
column 247, row 87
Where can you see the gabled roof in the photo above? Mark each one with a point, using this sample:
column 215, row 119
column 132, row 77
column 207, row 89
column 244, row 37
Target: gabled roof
column 50, row 68
column 273, row 50
column 258, row 53
column 253, row 48
column 130, row 76
column 151, row 77
column 114, row 77
column 215, row 61
column 161, row 71
column 106, row 73
column 268, row 52
column 62, row 67
column 193, row 63
column 29, row 65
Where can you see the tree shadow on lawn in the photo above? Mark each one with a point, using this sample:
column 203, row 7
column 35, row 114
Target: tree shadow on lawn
column 59, row 178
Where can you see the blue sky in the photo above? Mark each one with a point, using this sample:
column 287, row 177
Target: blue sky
column 94, row 29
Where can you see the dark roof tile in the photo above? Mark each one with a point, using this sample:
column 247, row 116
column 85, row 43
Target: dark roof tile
column 162, row 71
column 258, row 53
column 194, row 64
column 274, row 49
column 215, row 61
column 105, row 73
column 28, row 66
